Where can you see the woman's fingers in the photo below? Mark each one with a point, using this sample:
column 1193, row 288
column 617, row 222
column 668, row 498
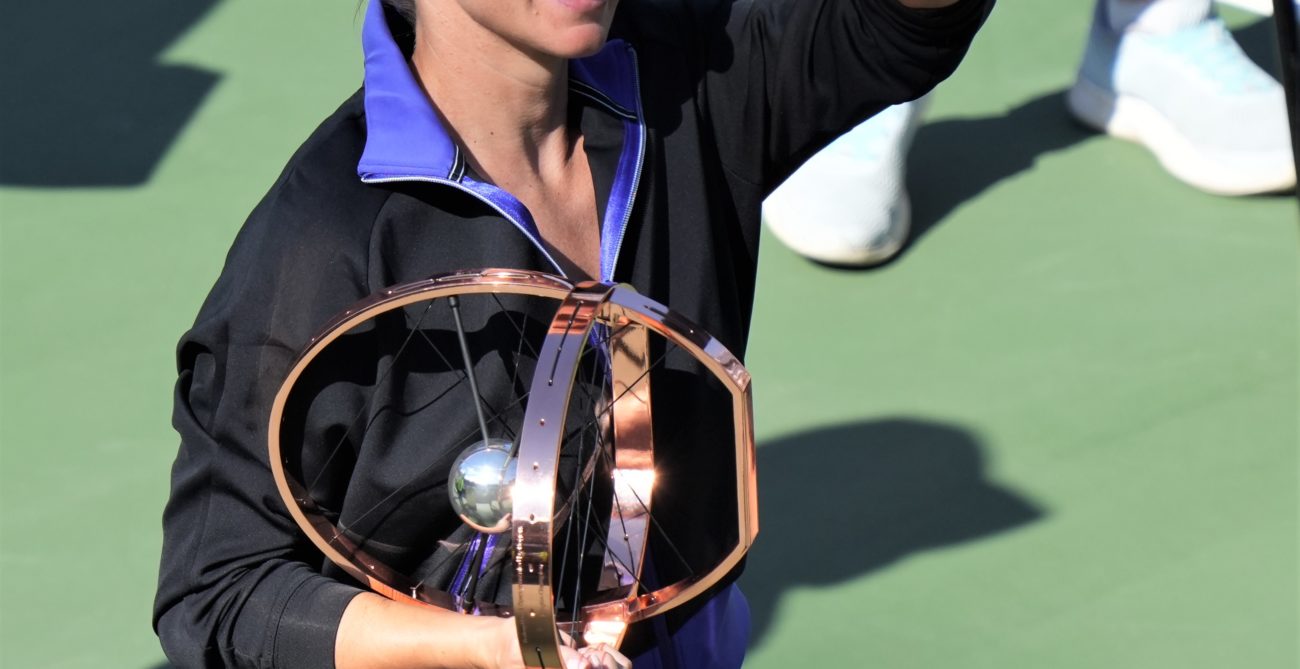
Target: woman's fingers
column 593, row 657
column 603, row 657
column 573, row 659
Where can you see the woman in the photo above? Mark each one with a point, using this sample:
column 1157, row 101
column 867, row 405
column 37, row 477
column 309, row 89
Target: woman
column 541, row 134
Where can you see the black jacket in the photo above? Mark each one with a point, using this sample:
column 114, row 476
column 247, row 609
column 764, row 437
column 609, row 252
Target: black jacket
column 732, row 97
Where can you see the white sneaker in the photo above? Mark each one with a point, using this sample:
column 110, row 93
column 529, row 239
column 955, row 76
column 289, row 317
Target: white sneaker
column 848, row 205
column 1210, row 115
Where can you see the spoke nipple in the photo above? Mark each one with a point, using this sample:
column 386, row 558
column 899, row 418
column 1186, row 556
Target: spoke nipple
column 541, row 421
column 537, row 466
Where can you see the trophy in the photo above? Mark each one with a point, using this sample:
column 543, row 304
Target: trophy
column 504, row 442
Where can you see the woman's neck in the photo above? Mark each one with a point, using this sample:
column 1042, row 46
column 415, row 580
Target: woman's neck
column 507, row 107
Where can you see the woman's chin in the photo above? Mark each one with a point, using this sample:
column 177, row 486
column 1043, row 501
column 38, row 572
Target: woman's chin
column 581, row 26
column 578, row 42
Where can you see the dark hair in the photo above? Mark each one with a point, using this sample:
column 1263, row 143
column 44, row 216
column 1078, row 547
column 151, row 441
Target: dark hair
column 404, row 7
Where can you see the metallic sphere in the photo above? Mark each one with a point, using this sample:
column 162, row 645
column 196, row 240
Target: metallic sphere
column 481, row 486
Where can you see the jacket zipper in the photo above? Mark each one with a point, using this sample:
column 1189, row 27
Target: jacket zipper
column 636, row 174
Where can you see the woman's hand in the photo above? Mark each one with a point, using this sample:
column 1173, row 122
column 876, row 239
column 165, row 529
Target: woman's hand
column 508, row 655
column 376, row 633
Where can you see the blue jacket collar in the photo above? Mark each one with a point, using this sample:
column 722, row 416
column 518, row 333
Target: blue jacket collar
column 405, row 138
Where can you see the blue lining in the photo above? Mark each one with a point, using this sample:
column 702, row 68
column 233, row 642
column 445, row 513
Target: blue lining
column 458, row 583
column 404, row 135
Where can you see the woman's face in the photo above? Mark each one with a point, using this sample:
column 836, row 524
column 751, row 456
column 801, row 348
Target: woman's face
column 562, row 28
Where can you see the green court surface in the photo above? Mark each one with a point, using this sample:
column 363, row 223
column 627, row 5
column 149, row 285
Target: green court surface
column 1060, row 431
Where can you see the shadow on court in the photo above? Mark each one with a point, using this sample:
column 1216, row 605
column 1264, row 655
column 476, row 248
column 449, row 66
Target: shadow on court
column 841, row 502
column 88, row 103
column 1259, row 41
column 954, row 161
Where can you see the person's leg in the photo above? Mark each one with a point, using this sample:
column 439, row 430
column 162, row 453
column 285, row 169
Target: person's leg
column 848, row 204
column 1167, row 74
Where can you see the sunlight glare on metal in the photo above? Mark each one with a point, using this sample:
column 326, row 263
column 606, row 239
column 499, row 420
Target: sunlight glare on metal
column 633, row 483
column 532, row 495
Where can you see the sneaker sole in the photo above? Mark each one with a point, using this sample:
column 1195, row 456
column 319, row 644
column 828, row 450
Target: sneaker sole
column 1137, row 121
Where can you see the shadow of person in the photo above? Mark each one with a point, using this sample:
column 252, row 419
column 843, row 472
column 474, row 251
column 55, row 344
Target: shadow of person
column 954, row 161
column 1259, row 40
column 87, row 102
column 839, row 502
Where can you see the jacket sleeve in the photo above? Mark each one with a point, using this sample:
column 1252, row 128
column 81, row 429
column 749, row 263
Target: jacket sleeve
column 238, row 585
column 786, row 77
